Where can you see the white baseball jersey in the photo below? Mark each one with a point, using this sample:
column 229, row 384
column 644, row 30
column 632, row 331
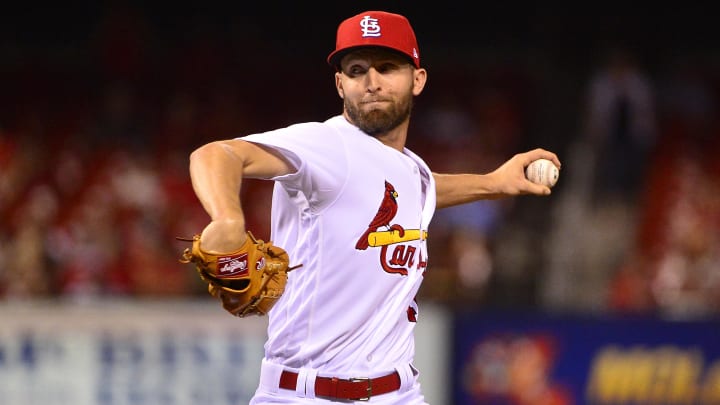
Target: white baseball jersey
column 355, row 214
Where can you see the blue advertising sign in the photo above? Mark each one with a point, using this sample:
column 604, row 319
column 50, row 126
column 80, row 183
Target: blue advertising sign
column 516, row 359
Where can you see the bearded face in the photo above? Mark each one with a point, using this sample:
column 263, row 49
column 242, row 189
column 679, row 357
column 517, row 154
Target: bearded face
column 376, row 118
column 377, row 88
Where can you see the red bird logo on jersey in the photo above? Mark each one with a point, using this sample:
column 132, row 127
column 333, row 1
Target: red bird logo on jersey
column 386, row 212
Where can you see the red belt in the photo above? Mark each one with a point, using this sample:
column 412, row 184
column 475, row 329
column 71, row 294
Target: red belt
column 358, row 389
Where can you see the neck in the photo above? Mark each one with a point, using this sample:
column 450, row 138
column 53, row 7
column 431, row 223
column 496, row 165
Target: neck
column 394, row 138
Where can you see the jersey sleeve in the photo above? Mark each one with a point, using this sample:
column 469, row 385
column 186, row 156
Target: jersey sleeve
column 317, row 153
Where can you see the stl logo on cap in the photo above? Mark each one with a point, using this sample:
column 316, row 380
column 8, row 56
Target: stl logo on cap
column 370, row 27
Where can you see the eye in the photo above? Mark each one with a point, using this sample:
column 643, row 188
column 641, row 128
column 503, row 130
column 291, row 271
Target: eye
column 355, row 70
column 386, row 67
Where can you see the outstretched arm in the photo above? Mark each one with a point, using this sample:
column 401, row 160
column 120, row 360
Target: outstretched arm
column 216, row 172
column 505, row 181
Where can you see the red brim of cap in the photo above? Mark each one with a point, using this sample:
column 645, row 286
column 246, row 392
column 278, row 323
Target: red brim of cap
column 335, row 57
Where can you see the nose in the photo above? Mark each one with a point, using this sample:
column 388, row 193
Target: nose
column 372, row 80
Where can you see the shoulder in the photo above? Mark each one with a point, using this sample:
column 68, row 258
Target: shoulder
column 304, row 132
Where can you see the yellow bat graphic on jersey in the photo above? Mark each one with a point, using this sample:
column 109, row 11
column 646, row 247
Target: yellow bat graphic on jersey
column 382, row 238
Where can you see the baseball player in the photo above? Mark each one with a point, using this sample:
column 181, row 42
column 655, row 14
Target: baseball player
column 353, row 205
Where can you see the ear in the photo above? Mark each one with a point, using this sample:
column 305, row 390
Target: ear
column 338, row 85
column 419, row 80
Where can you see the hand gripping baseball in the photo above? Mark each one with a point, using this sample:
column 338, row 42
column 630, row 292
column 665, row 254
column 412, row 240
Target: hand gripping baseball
column 248, row 281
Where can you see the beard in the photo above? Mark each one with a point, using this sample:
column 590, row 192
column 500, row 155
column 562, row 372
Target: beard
column 378, row 121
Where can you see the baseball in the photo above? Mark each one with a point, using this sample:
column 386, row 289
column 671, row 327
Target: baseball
column 542, row 171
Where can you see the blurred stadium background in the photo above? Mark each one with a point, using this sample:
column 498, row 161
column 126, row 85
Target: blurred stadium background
column 606, row 292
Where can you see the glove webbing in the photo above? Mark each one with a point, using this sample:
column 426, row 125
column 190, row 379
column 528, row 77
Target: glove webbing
column 257, row 299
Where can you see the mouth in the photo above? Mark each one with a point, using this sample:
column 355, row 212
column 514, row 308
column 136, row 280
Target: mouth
column 378, row 101
column 375, row 105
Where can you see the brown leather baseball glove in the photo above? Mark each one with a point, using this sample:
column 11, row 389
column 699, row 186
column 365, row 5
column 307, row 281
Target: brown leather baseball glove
column 248, row 281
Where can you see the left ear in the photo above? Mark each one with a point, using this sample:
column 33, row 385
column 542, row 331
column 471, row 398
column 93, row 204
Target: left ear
column 419, row 80
column 338, row 85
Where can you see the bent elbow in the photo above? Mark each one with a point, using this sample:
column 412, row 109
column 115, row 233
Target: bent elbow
column 207, row 151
